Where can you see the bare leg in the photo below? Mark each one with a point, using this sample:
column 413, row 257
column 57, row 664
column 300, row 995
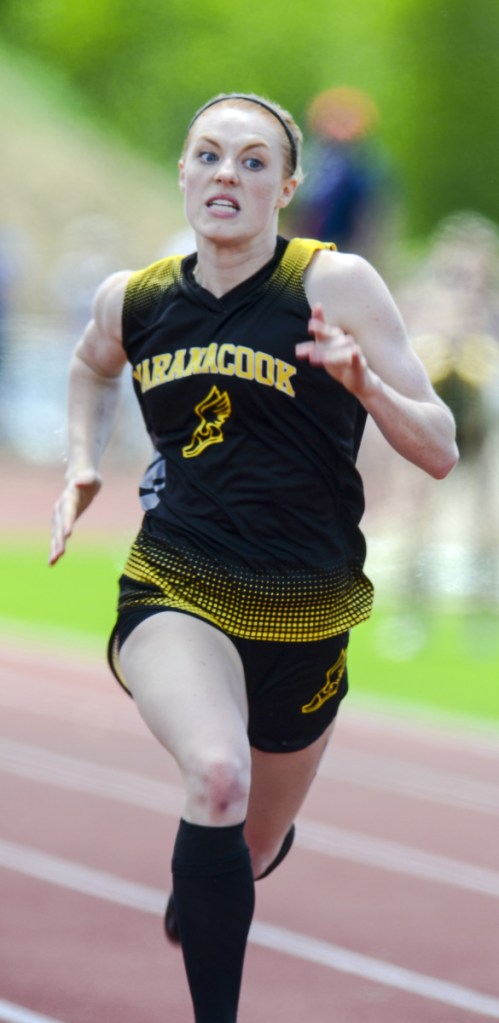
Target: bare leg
column 188, row 683
column 279, row 785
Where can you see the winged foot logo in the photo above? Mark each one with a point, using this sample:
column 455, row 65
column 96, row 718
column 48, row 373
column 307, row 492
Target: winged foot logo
column 213, row 412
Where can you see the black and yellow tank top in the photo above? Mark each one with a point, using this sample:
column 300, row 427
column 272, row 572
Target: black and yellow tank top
column 256, row 466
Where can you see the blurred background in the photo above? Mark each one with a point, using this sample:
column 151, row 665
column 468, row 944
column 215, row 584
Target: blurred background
column 398, row 104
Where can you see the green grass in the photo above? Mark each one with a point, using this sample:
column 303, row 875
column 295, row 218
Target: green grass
column 446, row 661
column 71, row 601
column 439, row 661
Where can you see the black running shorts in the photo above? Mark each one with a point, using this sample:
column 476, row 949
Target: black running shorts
column 294, row 688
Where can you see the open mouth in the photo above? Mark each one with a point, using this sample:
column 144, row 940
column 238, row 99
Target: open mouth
column 223, row 202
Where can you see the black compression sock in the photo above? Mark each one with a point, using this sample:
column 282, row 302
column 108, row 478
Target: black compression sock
column 214, row 901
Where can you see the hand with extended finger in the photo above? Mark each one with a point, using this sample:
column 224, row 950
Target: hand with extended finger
column 78, row 493
column 337, row 352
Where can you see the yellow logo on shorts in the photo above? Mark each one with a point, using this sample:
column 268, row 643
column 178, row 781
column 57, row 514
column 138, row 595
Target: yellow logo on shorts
column 212, row 411
column 333, row 679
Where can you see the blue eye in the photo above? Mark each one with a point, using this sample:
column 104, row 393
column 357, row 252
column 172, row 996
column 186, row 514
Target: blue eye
column 253, row 163
column 206, row 156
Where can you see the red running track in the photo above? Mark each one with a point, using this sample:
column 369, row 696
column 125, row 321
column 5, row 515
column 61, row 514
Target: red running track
column 387, row 910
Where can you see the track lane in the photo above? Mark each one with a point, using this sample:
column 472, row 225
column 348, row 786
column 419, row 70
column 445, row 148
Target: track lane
column 423, row 921
column 77, row 877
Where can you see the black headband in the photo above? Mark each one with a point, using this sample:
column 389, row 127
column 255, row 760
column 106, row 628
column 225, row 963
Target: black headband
column 260, row 103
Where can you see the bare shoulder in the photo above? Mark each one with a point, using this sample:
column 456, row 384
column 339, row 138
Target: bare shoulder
column 101, row 346
column 108, row 302
column 339, row 280
column 355, row 297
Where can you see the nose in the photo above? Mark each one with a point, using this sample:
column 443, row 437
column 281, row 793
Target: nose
column 226, row 169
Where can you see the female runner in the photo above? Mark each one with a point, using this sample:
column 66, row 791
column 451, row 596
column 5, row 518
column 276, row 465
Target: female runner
column 255, row 362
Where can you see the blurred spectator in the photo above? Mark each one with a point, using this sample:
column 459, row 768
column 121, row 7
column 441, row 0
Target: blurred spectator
column 16, row 257
column 4, row 288
column 451, row 307
column 91, row 247
column 14, row 254
column 350, row 189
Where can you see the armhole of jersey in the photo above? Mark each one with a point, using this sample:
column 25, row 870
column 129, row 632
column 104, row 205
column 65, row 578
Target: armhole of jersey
column 144, row 286
column 297, row 257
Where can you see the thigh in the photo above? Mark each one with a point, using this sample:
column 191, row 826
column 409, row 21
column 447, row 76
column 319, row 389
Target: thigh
column 187, row 680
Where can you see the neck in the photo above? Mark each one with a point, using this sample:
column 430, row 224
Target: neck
column 219, row 269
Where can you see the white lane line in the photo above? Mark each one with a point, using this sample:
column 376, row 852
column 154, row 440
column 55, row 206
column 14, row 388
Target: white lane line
column 112, row 711
column 102, row 885
column 78, row 878
column 34, row 684
column 376, row 970
column 10, row 1013
column 456, row 732
column 355, row 847
column 393, row 775
column 41, row 766
column 78, row 775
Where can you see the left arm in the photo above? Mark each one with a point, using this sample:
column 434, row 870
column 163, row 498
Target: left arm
column 361, row 341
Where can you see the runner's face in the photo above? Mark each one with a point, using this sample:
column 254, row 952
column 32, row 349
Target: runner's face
column 232, row 174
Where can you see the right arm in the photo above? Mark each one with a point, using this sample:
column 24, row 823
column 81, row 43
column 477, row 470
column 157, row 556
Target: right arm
column 94, row 391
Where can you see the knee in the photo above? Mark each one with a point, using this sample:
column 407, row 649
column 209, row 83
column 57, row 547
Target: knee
column 218, row 788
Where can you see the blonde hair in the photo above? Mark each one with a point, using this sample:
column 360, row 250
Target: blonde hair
column 291, row 145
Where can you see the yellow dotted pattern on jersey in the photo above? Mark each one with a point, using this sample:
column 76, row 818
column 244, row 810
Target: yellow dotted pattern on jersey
column 283, row 605
column 157, row 278
column 144, row 285
column 296, row 259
